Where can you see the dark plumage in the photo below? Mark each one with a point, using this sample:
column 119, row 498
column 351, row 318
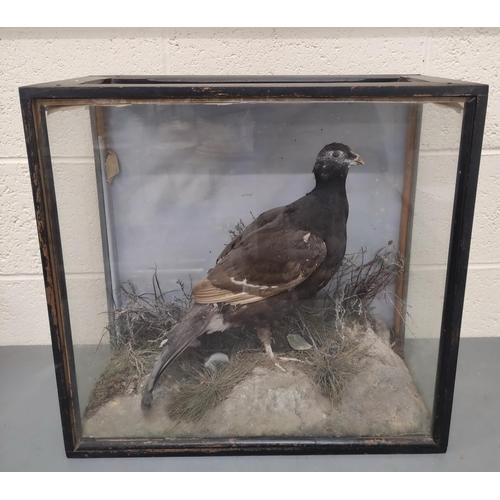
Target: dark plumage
column 285, row 255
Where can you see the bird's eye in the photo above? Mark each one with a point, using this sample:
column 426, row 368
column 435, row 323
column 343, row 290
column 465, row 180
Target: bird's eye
column 336, row 154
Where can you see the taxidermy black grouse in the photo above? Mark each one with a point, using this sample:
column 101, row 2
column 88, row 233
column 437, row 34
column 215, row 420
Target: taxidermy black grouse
column 285, row 255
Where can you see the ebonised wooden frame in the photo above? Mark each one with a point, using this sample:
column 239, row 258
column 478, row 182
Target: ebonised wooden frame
column 118, row 89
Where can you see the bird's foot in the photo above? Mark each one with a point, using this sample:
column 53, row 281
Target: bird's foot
column 265, row 337
column 280, row 367
column 295, row 360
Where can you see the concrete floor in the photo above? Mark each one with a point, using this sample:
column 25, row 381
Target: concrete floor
column 31, row 437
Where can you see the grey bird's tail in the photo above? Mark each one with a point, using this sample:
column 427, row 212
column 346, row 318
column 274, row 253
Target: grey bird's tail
column 190, row 327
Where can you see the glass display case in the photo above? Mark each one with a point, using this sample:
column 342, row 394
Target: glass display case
column 254, row 264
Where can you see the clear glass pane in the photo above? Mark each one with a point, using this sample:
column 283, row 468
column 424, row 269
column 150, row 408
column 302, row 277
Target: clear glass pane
column 149, row 195
column 74, row 172
column 431, row 227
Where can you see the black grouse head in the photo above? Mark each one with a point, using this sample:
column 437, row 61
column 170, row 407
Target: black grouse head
column 334, row 160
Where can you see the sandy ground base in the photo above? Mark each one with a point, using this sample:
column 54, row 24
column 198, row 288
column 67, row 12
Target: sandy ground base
column 381, row 400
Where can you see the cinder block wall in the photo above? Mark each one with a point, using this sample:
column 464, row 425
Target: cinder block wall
column 35, row 55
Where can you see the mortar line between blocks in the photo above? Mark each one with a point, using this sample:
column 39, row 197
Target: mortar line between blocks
column 442, row 267
column 446, row 152
column 14, row 160
column 39, row 277
column 419, row 267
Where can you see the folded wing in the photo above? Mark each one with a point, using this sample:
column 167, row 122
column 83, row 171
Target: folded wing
column 262, row 262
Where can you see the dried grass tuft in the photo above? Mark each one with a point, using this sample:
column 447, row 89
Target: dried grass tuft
column 334, row 364
column 137, row 329
column 328, row 324
column 357, row 283
column 238, row 228
column 205, row 389
column 335, row 356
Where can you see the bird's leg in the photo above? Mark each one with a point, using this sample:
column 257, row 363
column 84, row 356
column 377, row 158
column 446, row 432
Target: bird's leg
column 265, row 337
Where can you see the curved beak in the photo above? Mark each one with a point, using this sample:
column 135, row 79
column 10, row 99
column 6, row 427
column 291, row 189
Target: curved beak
column 357, row 160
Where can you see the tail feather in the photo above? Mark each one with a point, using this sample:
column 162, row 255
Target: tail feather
column 191, row 326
